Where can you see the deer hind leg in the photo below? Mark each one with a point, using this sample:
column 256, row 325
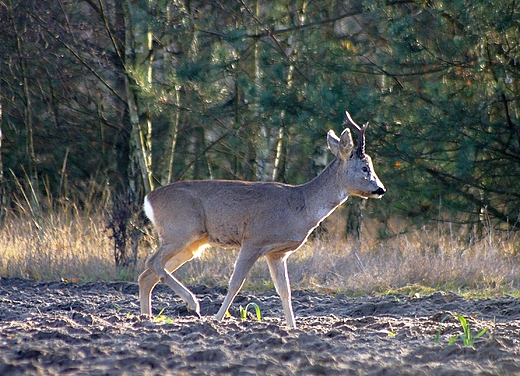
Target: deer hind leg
column 160, row 265
column 278, row 269
column 246, row 258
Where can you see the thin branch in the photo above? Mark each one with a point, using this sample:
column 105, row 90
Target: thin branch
column 78, row 57
column 392, row 76
column 268, row 33
column 445, row 180
column 111, row 34
column 277, row 43
column 324, row 21
column 203, row 152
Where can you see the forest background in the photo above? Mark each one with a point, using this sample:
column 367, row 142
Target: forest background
column 102, row 101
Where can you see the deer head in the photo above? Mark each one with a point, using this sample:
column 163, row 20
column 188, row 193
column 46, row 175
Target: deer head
column 358, row 177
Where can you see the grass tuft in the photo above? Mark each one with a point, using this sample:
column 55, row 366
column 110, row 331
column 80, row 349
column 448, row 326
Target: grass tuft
column 467, row 337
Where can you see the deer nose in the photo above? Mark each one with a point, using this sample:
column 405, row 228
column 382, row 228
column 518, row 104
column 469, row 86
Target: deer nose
column 380, row 191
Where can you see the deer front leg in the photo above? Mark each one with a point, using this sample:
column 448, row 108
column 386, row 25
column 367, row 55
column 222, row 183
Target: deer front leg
column 278, row 269
column 246, row 259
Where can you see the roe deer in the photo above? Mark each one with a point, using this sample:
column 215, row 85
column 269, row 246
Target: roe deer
column 263, row 218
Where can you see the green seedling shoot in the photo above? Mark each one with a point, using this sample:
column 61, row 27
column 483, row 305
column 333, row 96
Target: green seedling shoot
column 243, row 311
column 162, row 318
column 467, row 338
column 438, row 336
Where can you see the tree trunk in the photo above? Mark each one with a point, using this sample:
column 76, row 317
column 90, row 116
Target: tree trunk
column 28, row 108
column 171, row 141
column 354, row 210
column 134, row 148
column 138, row 74
column 3, row 195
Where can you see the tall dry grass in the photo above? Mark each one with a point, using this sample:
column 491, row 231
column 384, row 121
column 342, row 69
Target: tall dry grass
column 73, row 244
column 46, row 239
column 67, row 246
column 420, row 261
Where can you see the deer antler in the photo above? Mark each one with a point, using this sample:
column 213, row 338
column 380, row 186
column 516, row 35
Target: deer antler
column 360, row 151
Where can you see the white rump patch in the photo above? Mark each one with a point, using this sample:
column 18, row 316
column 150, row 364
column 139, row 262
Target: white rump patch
column 149, row 210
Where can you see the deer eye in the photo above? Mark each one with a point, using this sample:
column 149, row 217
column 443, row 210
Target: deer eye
column 364, row 169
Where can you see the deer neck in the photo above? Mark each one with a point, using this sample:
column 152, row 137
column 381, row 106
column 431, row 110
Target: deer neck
column 324, row 193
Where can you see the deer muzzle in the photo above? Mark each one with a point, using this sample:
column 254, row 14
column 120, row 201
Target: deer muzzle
column 379, row 192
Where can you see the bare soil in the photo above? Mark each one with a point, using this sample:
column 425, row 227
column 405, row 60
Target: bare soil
column 96, row 329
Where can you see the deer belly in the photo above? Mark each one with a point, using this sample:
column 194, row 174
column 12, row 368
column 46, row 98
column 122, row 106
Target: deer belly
column 225, row 235
column 224, row 242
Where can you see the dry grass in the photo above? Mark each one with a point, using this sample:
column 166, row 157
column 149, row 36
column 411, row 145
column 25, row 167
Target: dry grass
column 62, row 246
column 74, row 245
column 418, row 261
column 47, row 239
column 414, row 263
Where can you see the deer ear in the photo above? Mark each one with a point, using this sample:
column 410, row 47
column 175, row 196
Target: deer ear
column 333, row 142
column 346, row 142
column 341, row 147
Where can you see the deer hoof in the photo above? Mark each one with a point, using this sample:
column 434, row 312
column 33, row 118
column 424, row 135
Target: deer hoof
column 194, row 310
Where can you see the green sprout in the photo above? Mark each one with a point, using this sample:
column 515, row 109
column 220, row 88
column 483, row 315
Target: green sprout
column 467, row 337
column 243, row 311
column 117, row 307
column 438, row 336
column 162, row 318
